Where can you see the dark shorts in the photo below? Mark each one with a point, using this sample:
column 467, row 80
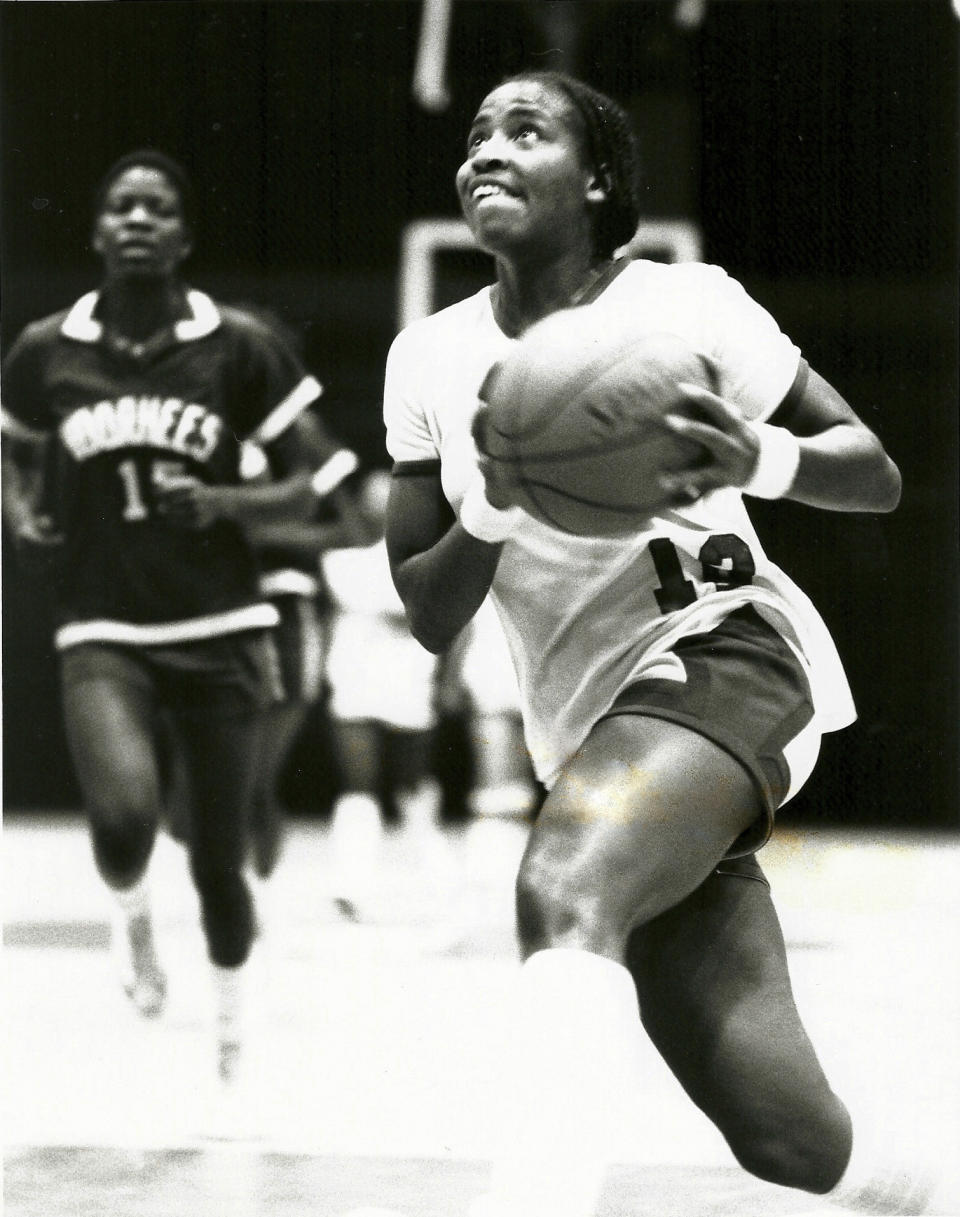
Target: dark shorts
column 233, row 674
column 300, row 643
column 742, row 687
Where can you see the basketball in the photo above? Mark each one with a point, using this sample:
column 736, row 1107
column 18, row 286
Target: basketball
column 572, row 419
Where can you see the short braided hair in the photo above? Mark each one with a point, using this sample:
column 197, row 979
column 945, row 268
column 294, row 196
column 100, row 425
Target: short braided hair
column 613, row 150
column 149, row 158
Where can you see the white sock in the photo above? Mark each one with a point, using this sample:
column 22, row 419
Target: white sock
column 229, row 1004
column 885, row 1174
column 573, row 1039
column 133, row 901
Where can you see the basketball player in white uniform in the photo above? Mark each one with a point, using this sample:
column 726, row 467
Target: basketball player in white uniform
column 675, row 682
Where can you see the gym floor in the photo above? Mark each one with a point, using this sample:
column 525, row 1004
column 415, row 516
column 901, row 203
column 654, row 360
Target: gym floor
column 373, row 1043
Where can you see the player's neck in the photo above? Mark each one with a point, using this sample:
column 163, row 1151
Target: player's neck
column 524, row 295
column 137, row 309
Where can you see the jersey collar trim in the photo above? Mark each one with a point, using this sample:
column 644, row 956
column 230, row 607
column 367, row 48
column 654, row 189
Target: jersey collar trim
column 82, row 325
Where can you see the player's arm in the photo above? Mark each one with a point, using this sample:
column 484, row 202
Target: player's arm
column 306, row 540
column 30, row 527
column 814, row 449
column 286, row 496
column 440, row 571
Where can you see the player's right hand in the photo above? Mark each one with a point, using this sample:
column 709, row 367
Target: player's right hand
column 495, row 478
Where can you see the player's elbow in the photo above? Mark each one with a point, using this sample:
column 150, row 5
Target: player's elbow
column 433, row 633
column 895, row 485
column 888, row 485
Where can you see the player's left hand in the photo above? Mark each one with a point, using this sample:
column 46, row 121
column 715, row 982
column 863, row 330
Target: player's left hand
column 726, row 435
column 187, row 502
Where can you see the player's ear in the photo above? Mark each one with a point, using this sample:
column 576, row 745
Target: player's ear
column 598, row 188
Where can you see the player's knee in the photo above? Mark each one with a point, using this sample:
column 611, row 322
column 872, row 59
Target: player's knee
column 805, row 1153
column 122, row 845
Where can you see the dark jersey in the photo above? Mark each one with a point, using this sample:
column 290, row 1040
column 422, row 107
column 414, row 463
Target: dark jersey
column 117, row 423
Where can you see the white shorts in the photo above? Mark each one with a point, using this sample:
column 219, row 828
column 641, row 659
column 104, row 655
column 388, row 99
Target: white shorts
column 378, row 672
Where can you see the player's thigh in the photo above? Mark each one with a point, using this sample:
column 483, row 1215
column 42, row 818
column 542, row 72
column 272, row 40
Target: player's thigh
column 110, row 720
column 716, row 999
column 218, row 691
column 637, row 820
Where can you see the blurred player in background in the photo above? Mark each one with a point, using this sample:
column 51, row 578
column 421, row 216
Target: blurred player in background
column 141, row 394
column 382, row 710
column 289, row 579
column 288, row 554
column 675, row 683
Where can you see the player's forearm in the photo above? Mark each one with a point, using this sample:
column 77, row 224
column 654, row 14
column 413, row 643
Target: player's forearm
column 845, row 468
column 443, row 587
column 302, row 540
column 17, row 500
column 256, row 506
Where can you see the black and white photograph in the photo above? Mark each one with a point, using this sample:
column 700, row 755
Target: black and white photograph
column 480, row 650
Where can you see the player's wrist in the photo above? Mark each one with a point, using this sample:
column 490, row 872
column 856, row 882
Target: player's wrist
column 778, row 459
column 333, row 471
column 482, row 520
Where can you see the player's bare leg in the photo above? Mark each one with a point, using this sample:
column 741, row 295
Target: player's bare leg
column 616, row 844
column 716, row 1000
column 109, row 729
column 222, row 753
column 282, row 723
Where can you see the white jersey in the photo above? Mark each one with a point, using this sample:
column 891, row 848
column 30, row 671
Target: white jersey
column 586, row 616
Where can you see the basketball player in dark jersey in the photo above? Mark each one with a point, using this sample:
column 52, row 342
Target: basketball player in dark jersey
column 140, row 396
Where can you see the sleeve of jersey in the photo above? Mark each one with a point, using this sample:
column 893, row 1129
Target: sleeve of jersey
column 278, row 387
column 756, row 361
column 24, row 414
column 409, row 436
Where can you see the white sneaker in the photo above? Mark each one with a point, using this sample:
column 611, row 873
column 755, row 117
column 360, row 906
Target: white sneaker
column 143, row 980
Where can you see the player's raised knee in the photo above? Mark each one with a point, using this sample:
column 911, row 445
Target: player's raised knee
column 805, row 1154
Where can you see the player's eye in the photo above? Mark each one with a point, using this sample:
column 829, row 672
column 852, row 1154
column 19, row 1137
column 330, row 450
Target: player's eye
column 526, row 133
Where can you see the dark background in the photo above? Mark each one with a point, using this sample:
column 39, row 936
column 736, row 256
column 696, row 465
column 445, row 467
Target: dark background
column 815, row 143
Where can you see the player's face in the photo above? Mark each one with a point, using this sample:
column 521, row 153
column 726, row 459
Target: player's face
column 526, row 178
column 140, row 228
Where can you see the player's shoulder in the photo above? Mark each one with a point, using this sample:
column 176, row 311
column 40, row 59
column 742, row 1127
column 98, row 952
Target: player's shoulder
column 247, row 324
column 43, row 331
column 681, row 277
column 430, row 334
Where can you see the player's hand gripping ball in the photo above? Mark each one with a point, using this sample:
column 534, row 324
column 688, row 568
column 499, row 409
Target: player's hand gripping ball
column 572, row 426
